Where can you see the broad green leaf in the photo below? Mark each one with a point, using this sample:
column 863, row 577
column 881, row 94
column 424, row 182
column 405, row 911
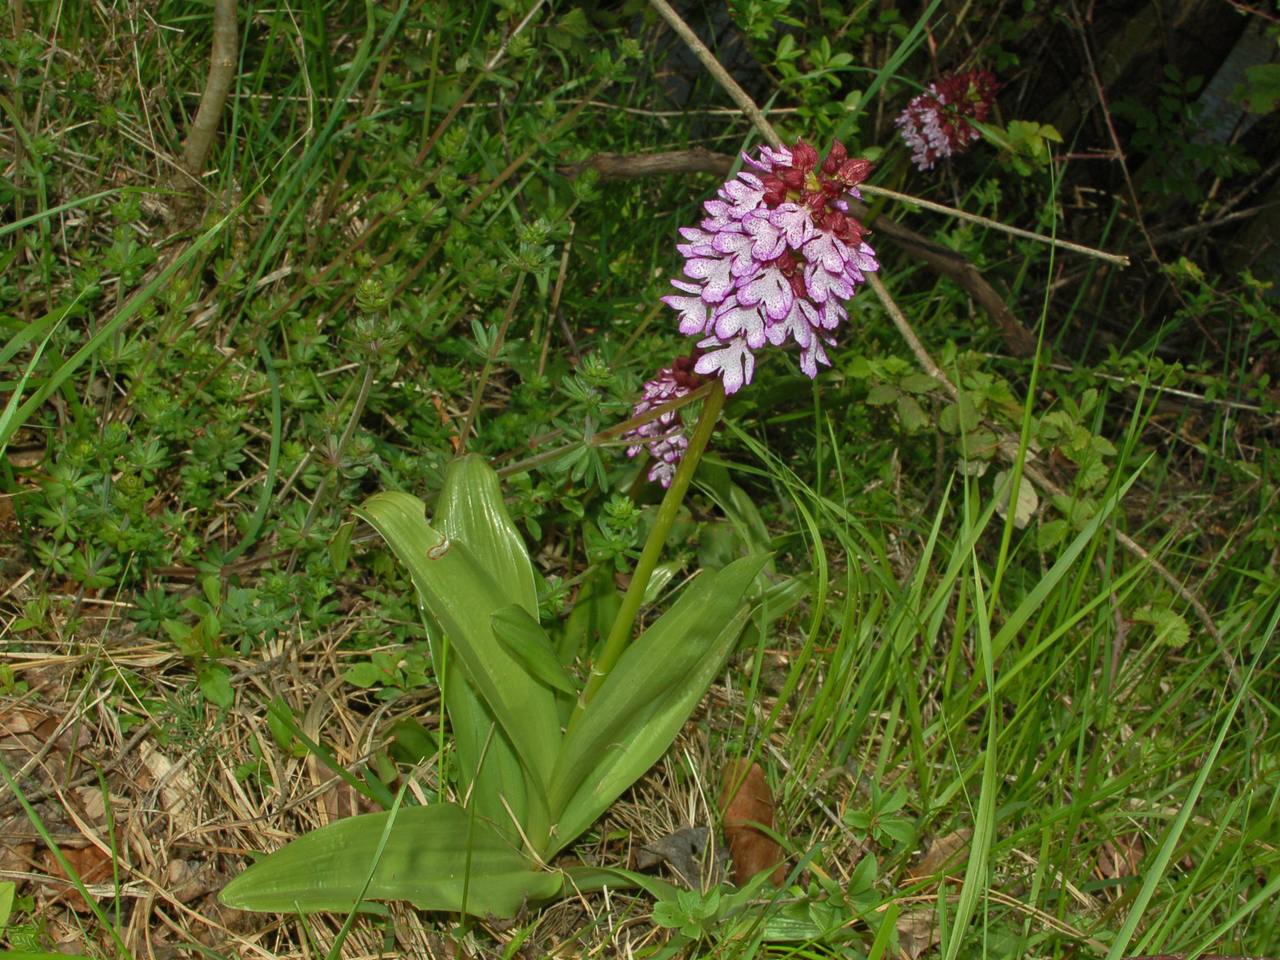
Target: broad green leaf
column 215, row 683
column 1170, row 627
column 659, row 580
column 1261, row 90
column 411, row 742
column 588, row 878
column 648, row 696
column 1051, row 533
column 911, row 415
column 882, row 394
column 523, row 637
column 747, row 519
column 435, row 857
column 918, row 383
column 782, row 597
column 490, row 765
column 461, row 596
column 593, row 611
column 471, row 509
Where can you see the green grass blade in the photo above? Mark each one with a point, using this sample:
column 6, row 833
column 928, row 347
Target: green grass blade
column 1155, row 871
column 8, row 228
column 371, row 788
column 273, row 458
column 9, row 422
column 35, row 820
column 984, row 822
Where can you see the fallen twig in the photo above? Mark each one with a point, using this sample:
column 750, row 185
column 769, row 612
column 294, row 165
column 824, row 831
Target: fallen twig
column 620, row 166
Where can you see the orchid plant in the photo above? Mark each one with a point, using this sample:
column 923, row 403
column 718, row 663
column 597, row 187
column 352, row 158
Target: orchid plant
column 944, row 120
column 540, row 753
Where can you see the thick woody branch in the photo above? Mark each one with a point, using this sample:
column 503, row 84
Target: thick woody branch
column 622, row 166
column 222, row 65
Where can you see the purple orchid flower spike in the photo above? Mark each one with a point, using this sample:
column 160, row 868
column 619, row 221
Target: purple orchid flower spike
column 664, row 436
column 934, row 125
column 772, row 262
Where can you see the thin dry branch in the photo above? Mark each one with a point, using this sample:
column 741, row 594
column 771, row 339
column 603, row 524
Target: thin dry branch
column 222, row 65
column 948, row 263
column 625, row 166
column 1118, row 259
column 1009, row 445
column 714, row 67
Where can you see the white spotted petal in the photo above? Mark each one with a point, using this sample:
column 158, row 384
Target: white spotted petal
column 733, row 362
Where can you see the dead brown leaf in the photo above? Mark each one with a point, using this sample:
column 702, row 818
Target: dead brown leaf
column 15, row 856
column 177, row 789
column 748, row 807
column 1121, row 857
column 91, row 866
column 943, row 853
column 917, row 932
column 188, row 879
column 684, row 851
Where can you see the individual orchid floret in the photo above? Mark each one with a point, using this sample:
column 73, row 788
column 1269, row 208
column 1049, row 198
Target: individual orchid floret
column 773, row 261
column 664, row 435
column 935, row 123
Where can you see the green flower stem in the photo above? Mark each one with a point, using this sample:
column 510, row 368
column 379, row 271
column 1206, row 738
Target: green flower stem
column 620, row 632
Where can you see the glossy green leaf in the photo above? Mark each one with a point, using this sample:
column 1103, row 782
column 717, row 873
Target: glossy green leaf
column 437, row 857
column 523, row 637
column 647, row 698
column 501, row 715
column 661, row 578
column 593, row 612
column 492, row 773
column 471, row 509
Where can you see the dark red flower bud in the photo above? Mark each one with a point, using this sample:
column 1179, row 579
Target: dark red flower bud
column 853, row 172
column 792, row 177
column 803, row 157
column 834, row 158
column 775, row 191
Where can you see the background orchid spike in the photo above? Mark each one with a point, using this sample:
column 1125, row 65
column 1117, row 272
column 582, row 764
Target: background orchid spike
column 664, row 436
column 773, row 261
column 934, row 124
